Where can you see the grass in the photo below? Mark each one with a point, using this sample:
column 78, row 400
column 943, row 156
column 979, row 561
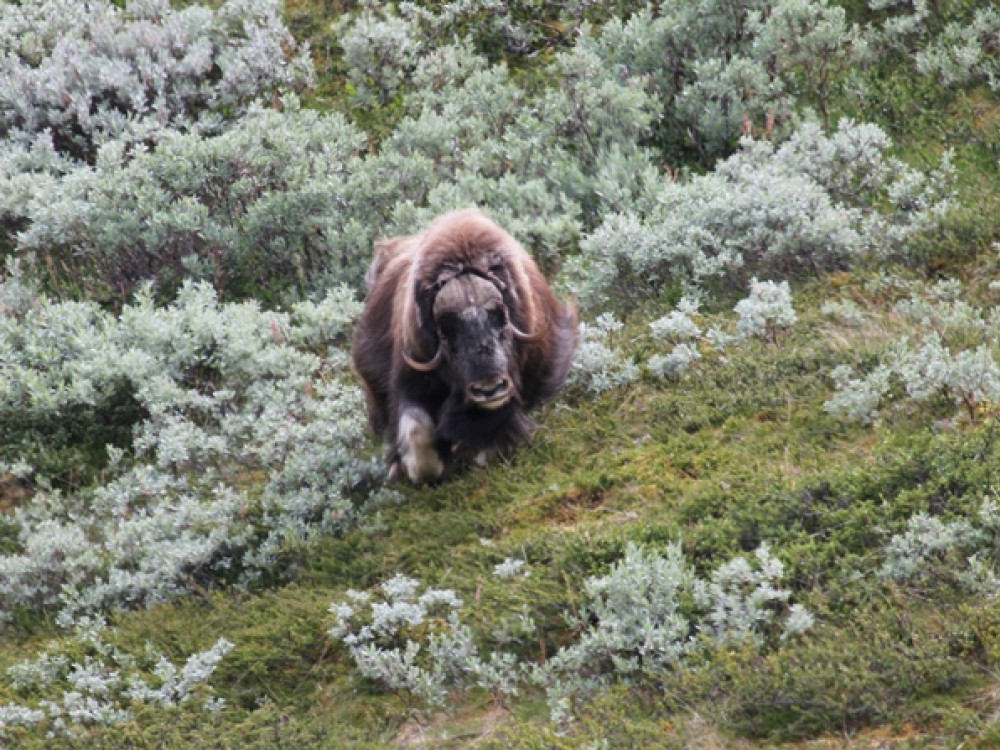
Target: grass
column 731, row 456
column 736, row 453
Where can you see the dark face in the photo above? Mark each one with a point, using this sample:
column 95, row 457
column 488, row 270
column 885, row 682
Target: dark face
column 476, row 340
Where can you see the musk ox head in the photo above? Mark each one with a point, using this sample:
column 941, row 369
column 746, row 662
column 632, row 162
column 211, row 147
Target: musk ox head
column 475, row 342
column 460, row 336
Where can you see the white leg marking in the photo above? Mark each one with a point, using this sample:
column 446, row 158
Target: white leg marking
column 416, row 447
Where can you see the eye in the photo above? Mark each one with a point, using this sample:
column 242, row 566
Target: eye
column 497, row 315
column 448, row 325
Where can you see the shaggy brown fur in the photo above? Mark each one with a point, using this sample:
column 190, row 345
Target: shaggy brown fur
column 403, row 281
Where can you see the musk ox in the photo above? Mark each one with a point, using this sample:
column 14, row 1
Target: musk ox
column 460, row 337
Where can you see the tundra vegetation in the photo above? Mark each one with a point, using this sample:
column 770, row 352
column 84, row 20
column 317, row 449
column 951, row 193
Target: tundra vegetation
column 765, row 510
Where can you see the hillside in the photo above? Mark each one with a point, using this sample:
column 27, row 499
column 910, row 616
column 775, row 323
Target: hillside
column 764, row 511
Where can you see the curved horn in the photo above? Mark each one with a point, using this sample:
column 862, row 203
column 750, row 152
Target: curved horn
column 521, row 335
column 424, row 366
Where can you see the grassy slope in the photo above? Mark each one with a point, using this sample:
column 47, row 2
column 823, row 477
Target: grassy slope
column 738, row 453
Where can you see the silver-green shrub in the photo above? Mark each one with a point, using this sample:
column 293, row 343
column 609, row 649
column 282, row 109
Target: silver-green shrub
column 511, row 568
column 495, row 28
column 724, row 69
column 954, row 355
column 941, row 308
column 386, row 49
column 651, row 613
column 563, row 157
column 811, row 49
column 676, row 362
column 598, row 365
column 289, row 200
column 970, row 377
column 817, row 201
column 858, row 399
column 299, row 209
column 416, row 644
column 265, row 207
column 637, row 620
column 545, row 166
column 677, row 326
column 963, row 552
column 249, row 442
column 846, row 311
column 78, row 77
column 683, row 333
column 742, row 603
column 380, row 50
column 965, row 52
column 84, row 74
column 642, row 621
column 909, row 555
column 766, row 311
column 957, row 43
column 87, row 681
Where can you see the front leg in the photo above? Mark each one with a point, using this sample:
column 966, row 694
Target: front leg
column 481, row 459
column 415, row 446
